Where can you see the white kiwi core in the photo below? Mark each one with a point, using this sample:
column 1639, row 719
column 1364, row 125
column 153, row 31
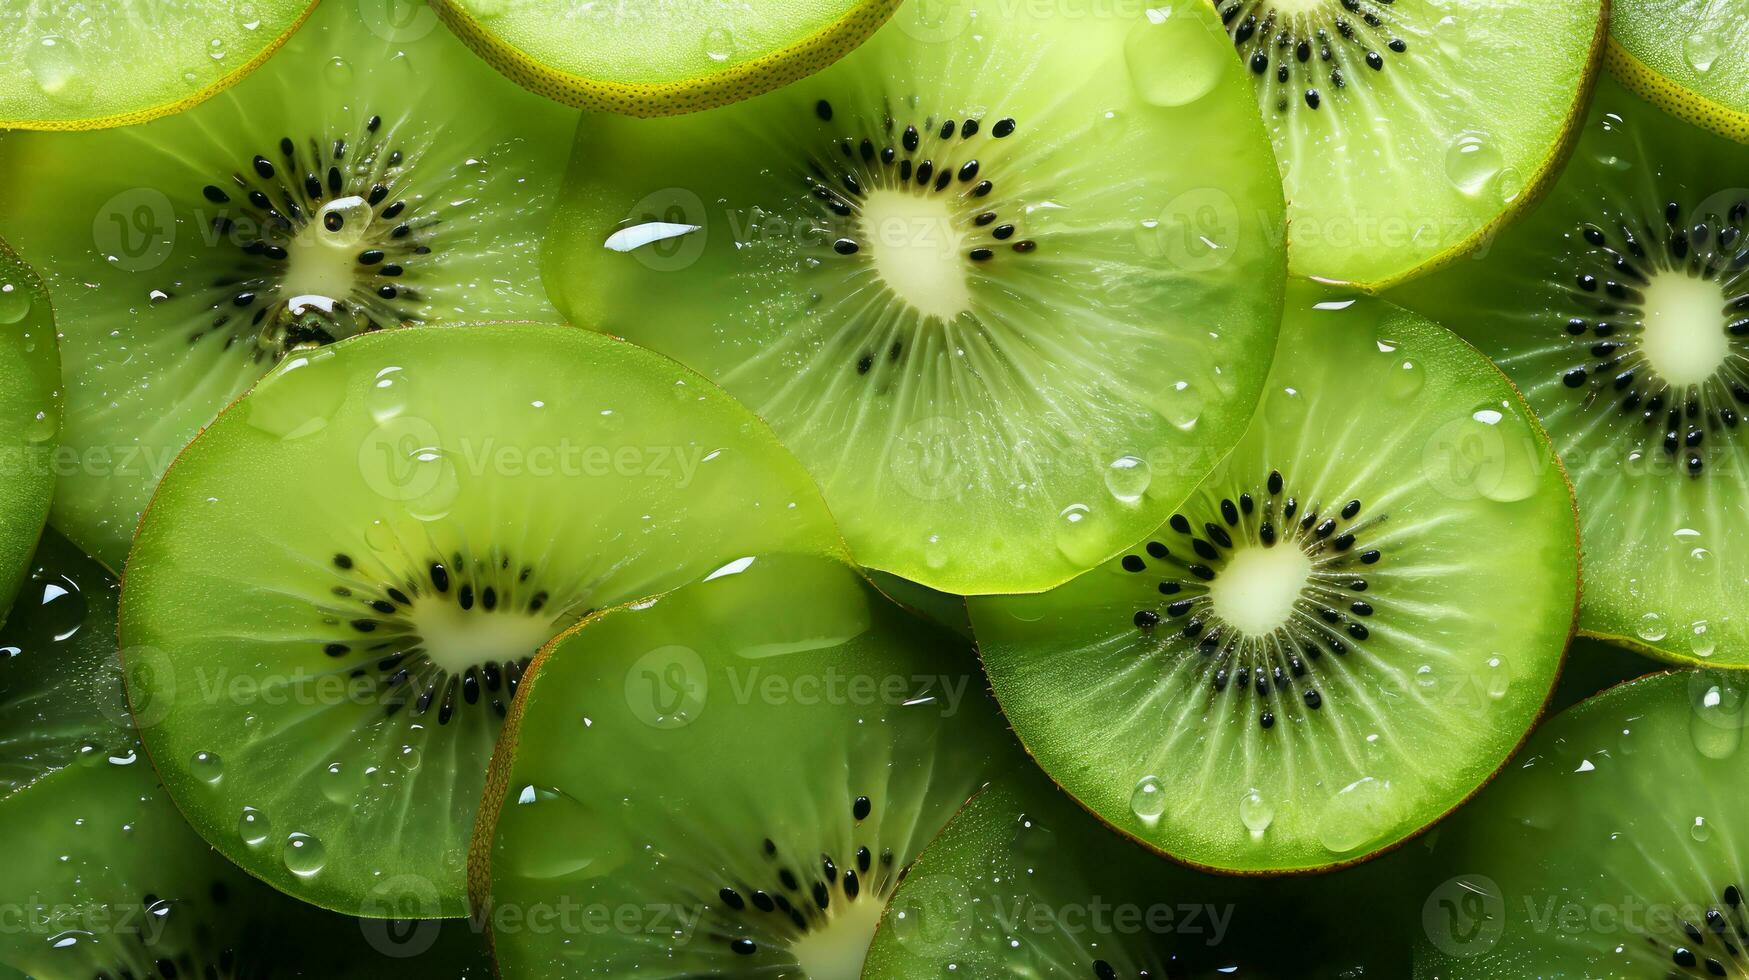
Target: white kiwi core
column 1257, row 590
column 1684, row 339
column 916, row 246
column 837, row 951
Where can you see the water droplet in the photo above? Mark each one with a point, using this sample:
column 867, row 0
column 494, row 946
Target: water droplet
column 1406, row 379
column 54, row 64
column 1284, row 406
column 409, row 758
column 1700, row 830
column 207, row 767
column 1170, row 60
column 934, row 552
column 304, row 855
column 1715, row 722
column 1497, row 677
column 339, row 70
column 216, row 49
column 1510, row 185
column 1078, row 535
column 1701, row 49
column 299, row 397
column 1360, row 812
column 379, row 537
column 15, row 300
column 337, row 783
column 253, row 826
column 1471, row 162
column 1651, row 628
column 1128, row 477
column 1148, row 800
column 248, row 16
column 432, row 471
column 387, row 396
column 577, row 843
column 343, row 221
column 1183, row 405
column 1449, row 34
column 719, row 44
column 1256, row 813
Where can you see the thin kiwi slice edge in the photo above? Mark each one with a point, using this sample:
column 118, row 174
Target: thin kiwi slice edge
column 1612, row 847
column 1621, row 308
column 362, row 179
column 979, row 275
column 655, row 60
column 327, row 691
column 744, row 791
column 70, row 67
column 1687, row 58
column 30, row 416
column 1326, row 648
column 1409, row 130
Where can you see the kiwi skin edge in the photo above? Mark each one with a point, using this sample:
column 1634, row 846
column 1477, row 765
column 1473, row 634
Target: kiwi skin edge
column 1542, row 712
column 778, row 68
column 1545, row 178
column 1672, row 98
column 149, row 113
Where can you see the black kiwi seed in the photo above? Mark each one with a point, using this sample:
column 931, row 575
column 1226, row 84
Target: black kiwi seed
column 1270, row 667
column 1266, row 35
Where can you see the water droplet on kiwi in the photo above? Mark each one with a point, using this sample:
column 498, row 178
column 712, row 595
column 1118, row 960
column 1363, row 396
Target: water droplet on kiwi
column 1702, row 49
column 1128, row 477
column 1406, row 379
column 337, row 783
column 343, row 221
column 1715, row 721
column 299, row 397
column 1183, row 405
column 1496, row 677
column 253, row 826
column 15, row 300
column 1078, row 534
column 1358, row 813
column 1471, row 162
column 432, row 471
column 41, row 428
column 1256, row 812
column 410, row 758
column 207, row 767
column 62, row 608
column 379, row 537
column 1170, row 60
column 934, row 552
column 719, row 44
column 1509, row 185
column 339, row 70
column 304, row 855
column 248, row 17
column 215, row 49
column 1651, row 628
column 1284, row 407
column 1148, row 800
column 1700, row 830
column 386, row 398
column 1449, row 34
column 578, row 843
column 54, row 64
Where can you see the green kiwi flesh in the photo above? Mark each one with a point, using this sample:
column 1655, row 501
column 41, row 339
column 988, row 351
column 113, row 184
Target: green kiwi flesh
column 361, row 179
column 1408, row 129
column 744, row 792
column 1612, row 847
column 72, row 67
column 1329, row 645
column 329, row 687
column 979, row 275
column 61, row 699
column 1621, row 308
column 1021, row 884
column 1687, row 56
column 30, row 413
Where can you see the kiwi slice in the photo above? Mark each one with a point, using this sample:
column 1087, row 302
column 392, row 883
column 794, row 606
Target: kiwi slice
column 61, row 697
column 1410, row 130
column 1687, row 57
column 70, row 66
column 738, row 793
column 347, row 669
column 1611, row 848
column 1023, row 884
column 1322, row 651
column 30, row 413
column 1621, row 308
column 980, row 275
column 359, row 180
column 654, row 60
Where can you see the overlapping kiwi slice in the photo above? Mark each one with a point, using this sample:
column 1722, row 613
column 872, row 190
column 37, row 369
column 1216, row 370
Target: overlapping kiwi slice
column 980, row 275
column 106, row 879
column 1022, row 884
column 30, row 413
column 1621, row 308
column 1688, row 57
column 1612, row 848
column 363, row 178
column 738, row 795
column 1409, row 130
column 335, row 594
column 75, row 66
column 662, row 58
column 1338, row 637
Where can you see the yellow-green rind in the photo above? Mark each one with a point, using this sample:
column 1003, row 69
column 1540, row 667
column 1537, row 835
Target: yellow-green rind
column 148, row 113
column 1536, row 187
column 732, row 84
column 1683, row 103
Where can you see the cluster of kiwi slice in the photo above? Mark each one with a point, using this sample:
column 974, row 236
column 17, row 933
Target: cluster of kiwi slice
column 856, row 489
